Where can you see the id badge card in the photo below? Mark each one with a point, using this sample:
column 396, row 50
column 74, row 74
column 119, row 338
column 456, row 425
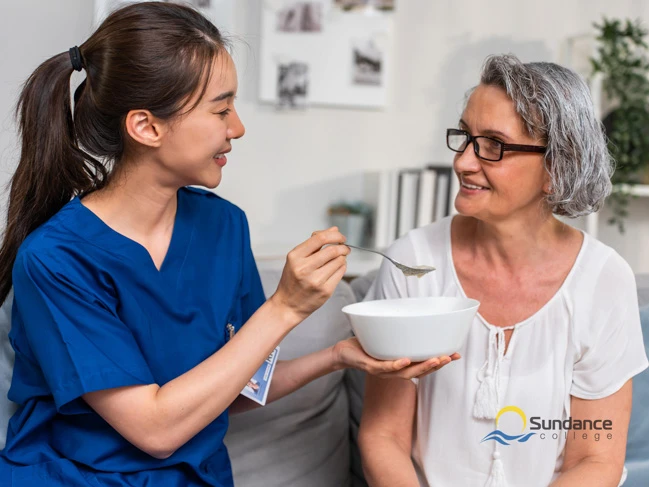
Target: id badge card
column 258, row 386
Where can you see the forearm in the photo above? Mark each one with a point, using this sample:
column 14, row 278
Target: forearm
column 291, row 375
column 590, row 472
column 386, row 463
column 187, row 404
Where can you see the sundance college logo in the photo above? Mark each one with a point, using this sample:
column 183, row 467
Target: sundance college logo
column 597, row 429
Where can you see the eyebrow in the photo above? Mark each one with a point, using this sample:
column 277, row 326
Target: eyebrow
column 489, row 132
column 223, row 96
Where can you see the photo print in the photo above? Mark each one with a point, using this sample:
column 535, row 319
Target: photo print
column 195, row 3
column 347, row 5
column 202, row 3
column 367, row 65
column 292, row 85
column 300, row 17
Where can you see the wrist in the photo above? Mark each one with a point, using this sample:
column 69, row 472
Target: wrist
column 283, row 313
column 335, row 358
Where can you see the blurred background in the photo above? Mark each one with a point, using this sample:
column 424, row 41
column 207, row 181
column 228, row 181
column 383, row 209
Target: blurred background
column 331, row 148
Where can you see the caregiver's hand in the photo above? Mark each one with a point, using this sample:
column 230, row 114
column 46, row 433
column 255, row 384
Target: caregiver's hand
column 349, row 354
column 311, row 272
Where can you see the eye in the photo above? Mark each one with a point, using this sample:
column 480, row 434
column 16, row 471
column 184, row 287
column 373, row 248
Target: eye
column 224, row 113
column 492, row 143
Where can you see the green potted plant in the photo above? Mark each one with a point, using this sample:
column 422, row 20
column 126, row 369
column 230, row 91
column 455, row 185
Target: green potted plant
column 352, row 219
column 623, row 61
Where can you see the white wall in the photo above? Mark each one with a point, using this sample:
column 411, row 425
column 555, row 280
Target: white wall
column 290, row 166
column 30, row 32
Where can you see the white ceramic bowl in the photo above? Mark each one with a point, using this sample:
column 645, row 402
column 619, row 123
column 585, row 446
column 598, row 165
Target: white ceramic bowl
column 414, row 328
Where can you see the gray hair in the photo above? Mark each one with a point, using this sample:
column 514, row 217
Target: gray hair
column 556, row 107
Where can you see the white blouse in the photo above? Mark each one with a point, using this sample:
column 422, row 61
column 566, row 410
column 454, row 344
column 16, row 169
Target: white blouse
column 586, row 342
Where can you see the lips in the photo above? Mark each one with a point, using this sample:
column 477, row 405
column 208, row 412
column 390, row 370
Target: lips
column 468, row 184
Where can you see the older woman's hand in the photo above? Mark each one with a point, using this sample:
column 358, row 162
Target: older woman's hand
column 349, row 354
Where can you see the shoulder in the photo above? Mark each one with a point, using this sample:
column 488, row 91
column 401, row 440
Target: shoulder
column 44, row 262
column 601, row 270
column 49, row 241
column 426, row 245
column 429, row 241
column 602, row 293
column 55, row 252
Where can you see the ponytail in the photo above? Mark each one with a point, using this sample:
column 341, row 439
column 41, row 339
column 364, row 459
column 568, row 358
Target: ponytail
column 148, row 55
column 52, row 169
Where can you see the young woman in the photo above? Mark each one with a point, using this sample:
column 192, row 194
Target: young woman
column 139, row 314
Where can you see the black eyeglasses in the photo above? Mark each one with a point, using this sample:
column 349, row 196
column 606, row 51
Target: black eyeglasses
column 485, row 147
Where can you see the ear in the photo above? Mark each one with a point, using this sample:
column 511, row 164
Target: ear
column 547, row 182
column 143, row 127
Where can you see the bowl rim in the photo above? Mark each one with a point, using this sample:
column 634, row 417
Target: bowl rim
column 474, row 305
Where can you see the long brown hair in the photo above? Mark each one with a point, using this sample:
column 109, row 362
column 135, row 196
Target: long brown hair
column 150, row 55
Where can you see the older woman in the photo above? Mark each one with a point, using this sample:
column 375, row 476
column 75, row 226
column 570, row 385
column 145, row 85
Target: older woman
column 557, row 335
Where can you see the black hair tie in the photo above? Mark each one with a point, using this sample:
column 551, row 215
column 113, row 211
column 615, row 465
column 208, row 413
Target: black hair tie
column 75, row 58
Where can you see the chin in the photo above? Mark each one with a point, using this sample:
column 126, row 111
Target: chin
column 212, row 184
column 466, row 208
column 210, row 180
column 473, row 211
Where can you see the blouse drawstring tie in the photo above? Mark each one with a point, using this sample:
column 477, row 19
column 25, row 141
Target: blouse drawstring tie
column 487, row 401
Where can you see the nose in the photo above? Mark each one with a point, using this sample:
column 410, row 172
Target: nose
column 466, row 161
column 236, row 128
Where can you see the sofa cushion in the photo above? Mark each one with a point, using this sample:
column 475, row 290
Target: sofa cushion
column 642, row 280
column 355, row 383
column 361, row 284
column 7, row 408
column 301, row 440
column 637, row 449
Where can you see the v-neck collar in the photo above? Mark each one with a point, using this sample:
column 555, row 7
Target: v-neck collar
column 93, row 229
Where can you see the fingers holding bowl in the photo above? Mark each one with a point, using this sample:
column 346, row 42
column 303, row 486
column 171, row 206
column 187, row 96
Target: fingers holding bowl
column 404, row 368
column 421, row 369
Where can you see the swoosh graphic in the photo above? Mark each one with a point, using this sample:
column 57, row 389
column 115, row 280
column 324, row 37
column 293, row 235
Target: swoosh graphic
column 495, row 438
column 526, row 437
column 504, row 435
column 503, row 438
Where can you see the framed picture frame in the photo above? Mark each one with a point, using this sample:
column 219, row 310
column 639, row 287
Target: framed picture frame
column 326, row 53
column 219, row 12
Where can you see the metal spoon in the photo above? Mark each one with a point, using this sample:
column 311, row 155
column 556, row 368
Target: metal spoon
column 418, row 270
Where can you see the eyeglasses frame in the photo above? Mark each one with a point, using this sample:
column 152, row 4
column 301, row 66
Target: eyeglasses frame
column 503, row 146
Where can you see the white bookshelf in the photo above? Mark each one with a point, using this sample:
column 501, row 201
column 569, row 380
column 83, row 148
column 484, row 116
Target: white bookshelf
column 639, row 190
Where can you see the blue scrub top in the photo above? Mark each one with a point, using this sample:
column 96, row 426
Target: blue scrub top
column 91, row 312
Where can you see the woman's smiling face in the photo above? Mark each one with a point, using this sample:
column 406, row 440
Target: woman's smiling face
column 512, row 186
column 194, row 149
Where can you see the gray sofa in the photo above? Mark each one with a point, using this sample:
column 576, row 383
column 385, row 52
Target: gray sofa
column 309, row 437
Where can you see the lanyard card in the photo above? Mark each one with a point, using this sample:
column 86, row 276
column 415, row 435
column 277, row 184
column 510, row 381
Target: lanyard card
column 258, row 386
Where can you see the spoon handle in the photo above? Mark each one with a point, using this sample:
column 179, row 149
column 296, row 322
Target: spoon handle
column 371, row 250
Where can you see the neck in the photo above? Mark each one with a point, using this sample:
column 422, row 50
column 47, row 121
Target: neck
column 517, row 243
column 135, row 202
